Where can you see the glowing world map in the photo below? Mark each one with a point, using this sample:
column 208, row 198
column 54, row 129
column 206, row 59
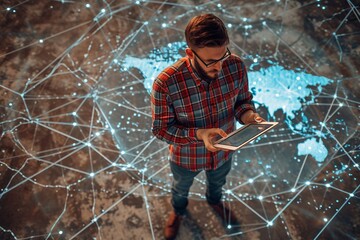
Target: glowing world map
column 274, row 87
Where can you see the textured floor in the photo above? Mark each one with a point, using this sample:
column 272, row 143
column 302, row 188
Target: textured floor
column 77, row 157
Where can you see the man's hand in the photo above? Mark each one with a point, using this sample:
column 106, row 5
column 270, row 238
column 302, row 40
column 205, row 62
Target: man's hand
column 207, row 136
column 251, row 117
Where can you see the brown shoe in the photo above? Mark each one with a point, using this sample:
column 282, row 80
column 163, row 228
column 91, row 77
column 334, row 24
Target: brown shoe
column 225, row 214
column 172, row 226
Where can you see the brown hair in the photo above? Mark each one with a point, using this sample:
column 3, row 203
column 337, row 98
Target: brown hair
column 206, row 30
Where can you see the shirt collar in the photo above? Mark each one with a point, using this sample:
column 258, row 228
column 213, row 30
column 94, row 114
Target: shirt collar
column 194, row 75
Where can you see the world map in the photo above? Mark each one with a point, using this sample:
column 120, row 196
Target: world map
column 274, row 87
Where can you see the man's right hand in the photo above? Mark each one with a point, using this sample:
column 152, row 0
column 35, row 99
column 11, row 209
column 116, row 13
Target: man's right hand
column 207, row 136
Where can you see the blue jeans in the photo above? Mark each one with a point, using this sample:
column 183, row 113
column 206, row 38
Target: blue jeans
column 183, row 179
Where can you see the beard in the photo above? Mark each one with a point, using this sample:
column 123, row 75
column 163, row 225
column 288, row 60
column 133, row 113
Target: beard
column 203, row 74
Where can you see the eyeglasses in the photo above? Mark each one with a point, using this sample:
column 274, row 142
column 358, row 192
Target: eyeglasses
column 226, row 55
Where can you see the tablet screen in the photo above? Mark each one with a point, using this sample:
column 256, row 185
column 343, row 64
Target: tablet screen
column 246, row 134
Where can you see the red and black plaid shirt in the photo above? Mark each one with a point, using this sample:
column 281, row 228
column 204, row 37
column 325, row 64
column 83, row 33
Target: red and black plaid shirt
column 181, row 103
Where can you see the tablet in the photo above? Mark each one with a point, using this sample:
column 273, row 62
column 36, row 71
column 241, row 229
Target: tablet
column 244, row 135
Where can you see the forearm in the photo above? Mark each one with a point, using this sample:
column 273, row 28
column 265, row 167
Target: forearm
column 175, row 135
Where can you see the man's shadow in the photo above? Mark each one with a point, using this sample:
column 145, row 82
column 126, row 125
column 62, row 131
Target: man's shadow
column 195, row 220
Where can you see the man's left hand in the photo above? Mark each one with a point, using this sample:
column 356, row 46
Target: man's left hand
column 252, row 117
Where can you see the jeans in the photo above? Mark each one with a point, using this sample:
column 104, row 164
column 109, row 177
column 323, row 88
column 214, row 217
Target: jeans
column 183, row 179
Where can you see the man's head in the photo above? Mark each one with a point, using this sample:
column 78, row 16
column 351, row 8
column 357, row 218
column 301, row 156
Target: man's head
column 206, row 30
column 207, row 39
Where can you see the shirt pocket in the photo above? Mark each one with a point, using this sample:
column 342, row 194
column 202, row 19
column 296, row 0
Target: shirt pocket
column 181, row 114
column 189, row 116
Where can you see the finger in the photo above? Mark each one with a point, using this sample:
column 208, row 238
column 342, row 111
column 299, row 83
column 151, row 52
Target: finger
column 210, row 147
column 259, row 119
column 213, row 149
column 251, row 118
column 221, row 132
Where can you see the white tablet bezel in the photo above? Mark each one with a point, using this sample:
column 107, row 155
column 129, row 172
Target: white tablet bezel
column 238, row 131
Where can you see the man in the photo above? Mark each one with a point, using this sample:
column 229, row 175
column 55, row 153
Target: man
column 196, row 99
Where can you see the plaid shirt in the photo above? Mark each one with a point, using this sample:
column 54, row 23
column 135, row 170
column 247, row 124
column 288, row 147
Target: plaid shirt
column 181, row 103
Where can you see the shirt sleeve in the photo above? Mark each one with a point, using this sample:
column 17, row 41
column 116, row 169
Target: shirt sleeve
column 244, row 99
column 164, row 123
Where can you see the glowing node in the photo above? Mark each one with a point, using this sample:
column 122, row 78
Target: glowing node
column 325, row 219
column 61, row 232
column 74, row 123
column 270, row 223
column 228, row 191
column 229, row 226
column 74, row 113
column 103, row 10
column 307, row 183
column 164, row 25
column 41, row 41
column 255, row 60
column 97, row 134
column 292, row 190
column 92, row 174
column 351, row 195
column 251, row 180
column 260, row 198
column 229, row 25
column 8, row 9
column 122, row 152
column 327, row 185
column 87, row 5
